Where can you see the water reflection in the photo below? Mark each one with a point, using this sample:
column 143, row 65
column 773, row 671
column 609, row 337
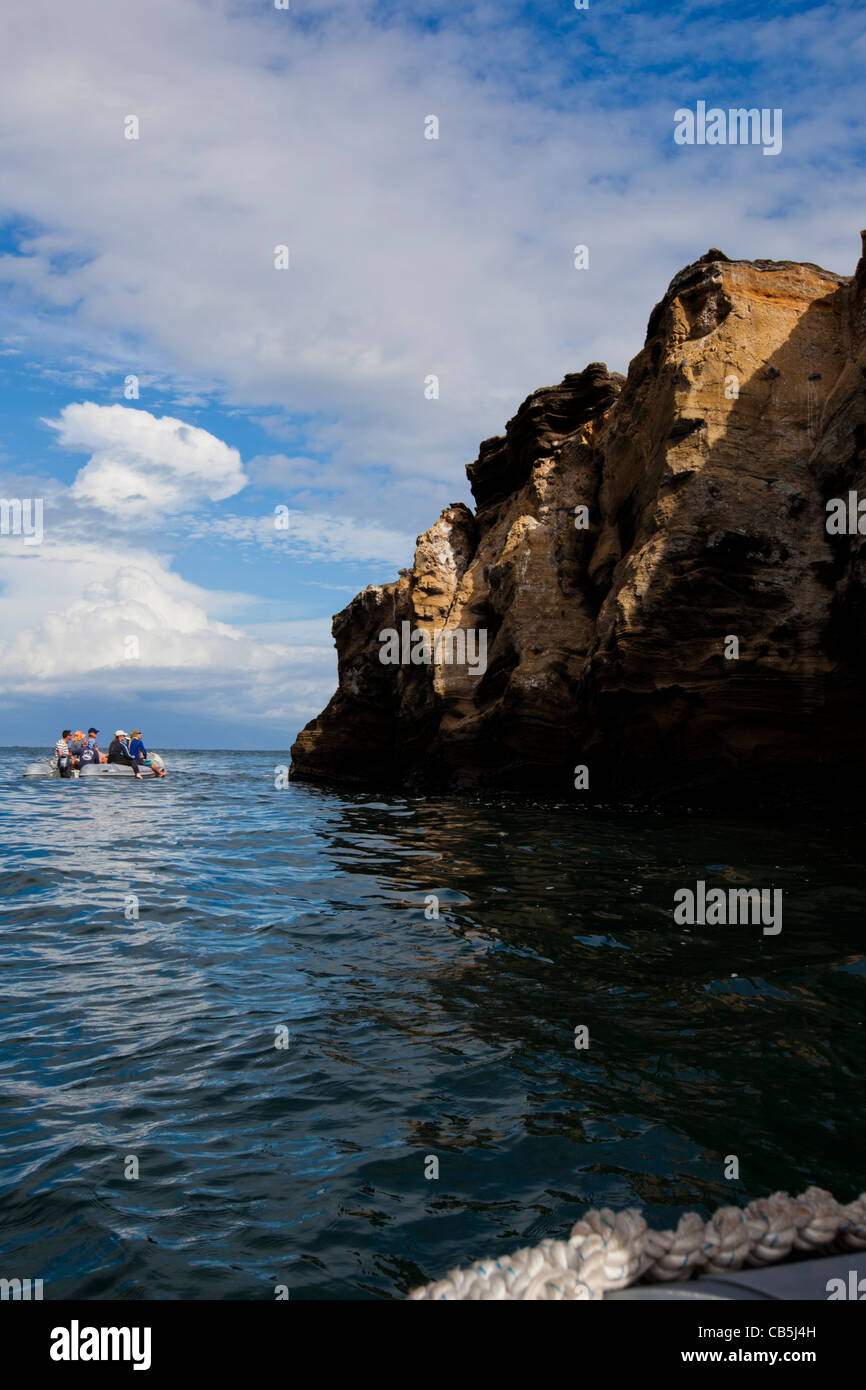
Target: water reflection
column 410, row 1035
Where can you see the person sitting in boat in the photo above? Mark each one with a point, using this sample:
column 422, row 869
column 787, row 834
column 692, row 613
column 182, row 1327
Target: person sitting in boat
column 91, row 734
column 90, row 751
column 136, row 746
column 91, row 738
column 61, row 749
column 118, row 752
column 139, row 752
column 76, row 746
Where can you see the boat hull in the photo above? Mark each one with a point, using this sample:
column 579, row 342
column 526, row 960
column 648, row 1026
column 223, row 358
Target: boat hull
column 47, row 767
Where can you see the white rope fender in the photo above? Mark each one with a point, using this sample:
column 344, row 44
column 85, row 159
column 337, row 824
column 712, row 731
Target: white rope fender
column 608, row 1250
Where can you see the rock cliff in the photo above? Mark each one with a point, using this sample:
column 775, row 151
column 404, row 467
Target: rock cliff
column 650, row 563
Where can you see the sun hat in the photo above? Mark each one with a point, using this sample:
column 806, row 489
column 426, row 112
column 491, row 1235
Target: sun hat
column 120, row 733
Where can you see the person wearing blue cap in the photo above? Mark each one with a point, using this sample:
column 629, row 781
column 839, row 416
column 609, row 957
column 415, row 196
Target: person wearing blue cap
column 90, row 750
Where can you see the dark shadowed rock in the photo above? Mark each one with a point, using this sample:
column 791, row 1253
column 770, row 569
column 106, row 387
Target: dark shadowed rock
column 705, row 475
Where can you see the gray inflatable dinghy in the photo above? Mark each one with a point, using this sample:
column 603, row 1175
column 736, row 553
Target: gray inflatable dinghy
column 826, row 1278
column 47, row 767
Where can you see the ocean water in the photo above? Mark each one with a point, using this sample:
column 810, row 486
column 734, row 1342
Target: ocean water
column 409, row 1037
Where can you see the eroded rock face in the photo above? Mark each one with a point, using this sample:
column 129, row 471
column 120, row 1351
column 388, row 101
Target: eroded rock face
column 705, row 476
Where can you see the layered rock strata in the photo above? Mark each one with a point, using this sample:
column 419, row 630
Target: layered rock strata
column 705, row 476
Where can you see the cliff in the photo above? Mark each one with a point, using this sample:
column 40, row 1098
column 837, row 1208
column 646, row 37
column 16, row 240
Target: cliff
column 705, row 476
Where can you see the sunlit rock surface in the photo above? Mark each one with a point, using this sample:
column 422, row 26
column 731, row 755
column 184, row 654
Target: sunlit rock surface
column 706, row 474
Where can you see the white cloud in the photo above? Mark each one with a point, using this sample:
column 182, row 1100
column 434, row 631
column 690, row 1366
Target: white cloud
column 142, row 464
column 311, row 536
column 323, row 537
column 408, row 256
column 68, row 614
column 318, row 584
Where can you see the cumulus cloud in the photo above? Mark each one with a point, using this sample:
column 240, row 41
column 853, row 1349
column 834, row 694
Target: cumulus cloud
column 79, row 616
column 142, row 464
column 409, row 257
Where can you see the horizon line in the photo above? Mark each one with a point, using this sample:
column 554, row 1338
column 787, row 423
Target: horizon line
column 171, row 748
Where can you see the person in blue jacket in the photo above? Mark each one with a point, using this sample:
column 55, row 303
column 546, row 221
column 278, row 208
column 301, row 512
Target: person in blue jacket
column 136, row 747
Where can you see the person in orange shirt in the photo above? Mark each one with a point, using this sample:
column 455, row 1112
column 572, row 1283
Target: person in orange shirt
column 76, row 746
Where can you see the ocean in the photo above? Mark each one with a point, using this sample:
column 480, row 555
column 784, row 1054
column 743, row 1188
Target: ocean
column 257, row 1038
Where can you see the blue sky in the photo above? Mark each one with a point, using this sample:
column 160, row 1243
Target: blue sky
column 408, row 257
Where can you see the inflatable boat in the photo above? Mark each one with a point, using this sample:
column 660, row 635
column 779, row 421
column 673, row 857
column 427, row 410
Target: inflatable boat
column 824, row 1278
column 47, row 767
column 809, row 1247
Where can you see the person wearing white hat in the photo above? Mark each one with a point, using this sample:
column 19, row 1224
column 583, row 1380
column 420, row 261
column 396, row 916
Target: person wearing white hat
column 118, row 752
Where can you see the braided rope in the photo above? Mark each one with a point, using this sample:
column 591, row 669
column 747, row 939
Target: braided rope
column 608, row 1250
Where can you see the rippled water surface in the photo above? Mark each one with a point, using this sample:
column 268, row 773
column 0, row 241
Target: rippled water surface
column 408, row 1037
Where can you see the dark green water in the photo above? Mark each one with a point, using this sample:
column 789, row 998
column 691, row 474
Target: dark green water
column 409, row 1037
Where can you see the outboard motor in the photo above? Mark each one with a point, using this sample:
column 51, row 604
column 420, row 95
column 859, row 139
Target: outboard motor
column 64, row 765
